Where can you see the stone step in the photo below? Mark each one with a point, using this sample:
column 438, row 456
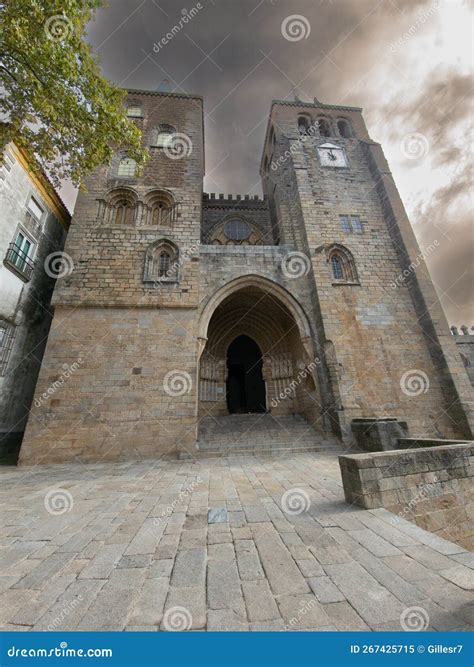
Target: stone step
column 257, row 434
column 275, row 451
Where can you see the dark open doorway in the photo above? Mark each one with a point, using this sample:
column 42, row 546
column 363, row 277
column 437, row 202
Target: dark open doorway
column 245, row 384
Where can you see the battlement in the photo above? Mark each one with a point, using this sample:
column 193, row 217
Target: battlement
column 233, row 201
column 464, row 331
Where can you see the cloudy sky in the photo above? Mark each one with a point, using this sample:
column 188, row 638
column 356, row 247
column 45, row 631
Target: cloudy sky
column 406, row 62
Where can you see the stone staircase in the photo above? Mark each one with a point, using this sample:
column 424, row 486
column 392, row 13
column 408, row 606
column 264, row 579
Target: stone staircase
column 240, row 435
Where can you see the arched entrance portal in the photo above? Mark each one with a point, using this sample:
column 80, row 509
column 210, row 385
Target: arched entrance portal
column 257, row 353
column 245, row 384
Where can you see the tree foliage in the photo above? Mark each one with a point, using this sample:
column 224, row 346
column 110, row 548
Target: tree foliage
column 55, row 102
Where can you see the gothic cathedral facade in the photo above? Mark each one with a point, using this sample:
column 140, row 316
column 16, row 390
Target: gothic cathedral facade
column 183, row 306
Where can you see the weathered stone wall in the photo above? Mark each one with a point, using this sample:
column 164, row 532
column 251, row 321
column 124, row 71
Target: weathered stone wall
column 431, row 486
column 123, row 398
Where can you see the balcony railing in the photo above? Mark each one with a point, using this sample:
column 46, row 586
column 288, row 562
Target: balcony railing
column 17, row 260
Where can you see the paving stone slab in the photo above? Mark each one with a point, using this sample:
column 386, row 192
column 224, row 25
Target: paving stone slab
column 325, row 591
column 223, row 585
column 373, row 602
column 260, row 603
column 302, row 612
column 280, row 568
column 344, row 617
column 189, row 568
column 226, row 620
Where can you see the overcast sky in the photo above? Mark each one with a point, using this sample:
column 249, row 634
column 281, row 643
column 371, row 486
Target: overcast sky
column 406, row 62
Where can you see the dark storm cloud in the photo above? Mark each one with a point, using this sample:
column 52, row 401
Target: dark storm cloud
column 233, row 53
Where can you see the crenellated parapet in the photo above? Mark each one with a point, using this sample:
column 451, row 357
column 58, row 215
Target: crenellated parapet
column 235, row 201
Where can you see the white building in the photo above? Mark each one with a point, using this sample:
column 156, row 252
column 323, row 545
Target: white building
column 33, row 224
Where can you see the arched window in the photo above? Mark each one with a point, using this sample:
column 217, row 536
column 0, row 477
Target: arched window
column 134, row 111
column 123, row 213
column 161, row 208
column 162, row 262
column 344, row 129
column 324, row 127
column 234, row 231
column 237, row 230
column 337, row 270
column 127, row 167
column 162, row 136
column 304, row 124
column 342, row 263
column 119, row 207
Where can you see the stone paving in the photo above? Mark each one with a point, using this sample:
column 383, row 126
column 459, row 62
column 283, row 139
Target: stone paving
column 132, row 546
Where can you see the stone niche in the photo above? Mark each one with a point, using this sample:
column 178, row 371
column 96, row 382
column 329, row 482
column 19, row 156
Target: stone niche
column 378, row 434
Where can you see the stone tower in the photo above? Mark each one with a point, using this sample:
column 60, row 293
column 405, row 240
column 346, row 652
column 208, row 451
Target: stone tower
column 312, row 304
column 385, row 340
column 127, row 311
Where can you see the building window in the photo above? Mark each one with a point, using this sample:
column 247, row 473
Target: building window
column 345, row 223
column 351, row 223
column 19, row 255
column 35, row 209
column 161, row 263
column 123, row 213
column 119, row 207
column 344, row 129
column 237, row 230
column 164, row 263
column 7, row 334
column 337, row 270
column 162, row 136
column 160, row 208
column 324, row 128
column 134, row 111
column 343, row 267
column 127, row 167
column 8, row 161
column 304, row 124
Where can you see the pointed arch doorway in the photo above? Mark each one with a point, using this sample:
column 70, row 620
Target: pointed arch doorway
column 245, row 384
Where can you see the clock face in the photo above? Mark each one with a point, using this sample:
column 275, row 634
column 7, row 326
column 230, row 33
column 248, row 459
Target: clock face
column 331, row 155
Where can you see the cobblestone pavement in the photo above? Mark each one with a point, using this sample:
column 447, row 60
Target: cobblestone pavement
column 132, row 547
